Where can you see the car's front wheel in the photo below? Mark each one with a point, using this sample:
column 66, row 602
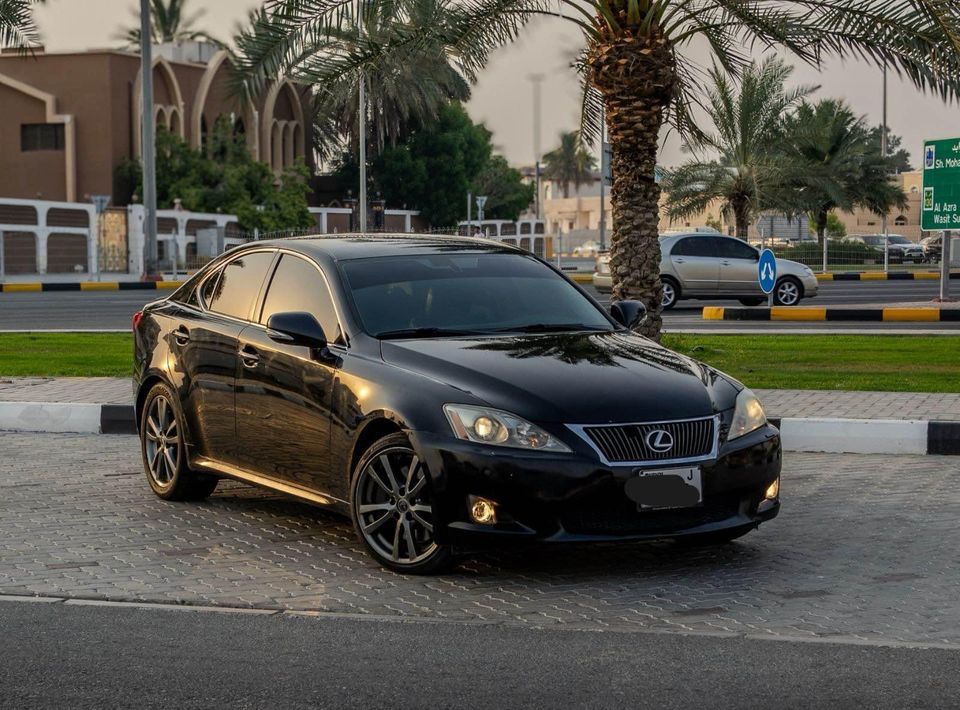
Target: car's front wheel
column 164, row 451
column 392, row 509
column 788, row 291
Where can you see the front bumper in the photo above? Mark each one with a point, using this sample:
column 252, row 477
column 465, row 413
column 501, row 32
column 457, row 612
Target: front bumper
column 574, row 497
column 603, row 282
column 811, row 286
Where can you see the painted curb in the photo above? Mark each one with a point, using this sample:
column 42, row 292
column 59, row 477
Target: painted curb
column 881, row 276
column 90, row 286
column 806, row 313
column 823, row 435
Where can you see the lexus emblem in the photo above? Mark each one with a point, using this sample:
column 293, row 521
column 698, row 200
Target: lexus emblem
column 659, row 441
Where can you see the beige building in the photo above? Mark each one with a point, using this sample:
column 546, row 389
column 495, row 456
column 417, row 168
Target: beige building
column 578, row 216
column 68, row 119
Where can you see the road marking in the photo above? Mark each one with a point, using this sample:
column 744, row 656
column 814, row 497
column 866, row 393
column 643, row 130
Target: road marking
column 784, row 313
column 21, row 288
column 912, row 315
column 99, row 286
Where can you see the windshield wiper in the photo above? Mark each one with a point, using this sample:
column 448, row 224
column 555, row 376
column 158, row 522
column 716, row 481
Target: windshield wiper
column 423, row 333
column 548, row 328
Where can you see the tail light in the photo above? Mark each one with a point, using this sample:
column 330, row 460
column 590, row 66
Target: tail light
column 137, row 317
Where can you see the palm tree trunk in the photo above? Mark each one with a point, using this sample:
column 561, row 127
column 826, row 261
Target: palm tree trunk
column 637, row 77
column 821, row 226
column 742, row 218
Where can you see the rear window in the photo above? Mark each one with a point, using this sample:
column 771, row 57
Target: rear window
column 234, row 290
column 695, row 246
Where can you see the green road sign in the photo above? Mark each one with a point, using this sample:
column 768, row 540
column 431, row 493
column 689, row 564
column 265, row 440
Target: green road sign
column 941, row 185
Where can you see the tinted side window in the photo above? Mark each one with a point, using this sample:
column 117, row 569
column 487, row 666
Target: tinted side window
column 297, row 285
column 694, row 246
column 236, row 289
column 735, row 249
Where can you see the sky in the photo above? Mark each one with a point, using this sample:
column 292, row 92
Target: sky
column 503, row 96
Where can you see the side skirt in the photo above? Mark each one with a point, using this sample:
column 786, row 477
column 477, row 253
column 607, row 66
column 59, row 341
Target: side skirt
column 222, row 469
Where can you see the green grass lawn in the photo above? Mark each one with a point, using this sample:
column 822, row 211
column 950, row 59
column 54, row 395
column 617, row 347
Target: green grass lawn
column 844, row 362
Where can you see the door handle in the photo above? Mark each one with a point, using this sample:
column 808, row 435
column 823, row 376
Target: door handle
column 678, row 260
column 181, row 335
column 725, row 262
column 249, row 357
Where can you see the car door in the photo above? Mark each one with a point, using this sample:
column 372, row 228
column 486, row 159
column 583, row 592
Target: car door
column 738, row 267
column 284, row 391
column 207, row 343
column 694, row 260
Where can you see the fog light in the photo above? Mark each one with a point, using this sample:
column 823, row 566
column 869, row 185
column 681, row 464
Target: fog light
column 483, row 511
column 773, row 490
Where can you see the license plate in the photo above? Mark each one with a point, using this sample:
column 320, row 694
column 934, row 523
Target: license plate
column 653, row 489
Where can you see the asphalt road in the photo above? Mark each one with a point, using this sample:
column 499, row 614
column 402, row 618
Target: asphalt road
column 90, row 657
column 112, row 310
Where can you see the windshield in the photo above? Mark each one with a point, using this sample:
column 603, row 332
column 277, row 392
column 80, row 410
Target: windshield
column 899, row 240
column 436, row 295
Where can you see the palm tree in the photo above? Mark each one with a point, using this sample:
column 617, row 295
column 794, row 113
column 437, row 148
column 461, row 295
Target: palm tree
column 837, row 164
column 168, row 24
column 17, row 28
column 400, row 96
column 749, row 172
column 570, row 162
column 638, row 66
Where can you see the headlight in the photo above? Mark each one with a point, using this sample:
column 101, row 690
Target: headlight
column 747, row 416
column 491, row 426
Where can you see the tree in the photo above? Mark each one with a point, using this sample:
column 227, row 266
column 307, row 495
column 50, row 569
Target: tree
column 899, row 156
column 507, row 194
column 637, row 65
column 168, row 23
column 17, row 27
column 836, row 166
column 226, row 179
column 748, row 174
column 434, row 168
column 570, row 162
column 401, row 96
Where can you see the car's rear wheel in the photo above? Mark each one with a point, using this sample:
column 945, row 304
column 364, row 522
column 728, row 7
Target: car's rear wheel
column 164, row 451
column 671, row 293
column 392, row 507
column 787, row 292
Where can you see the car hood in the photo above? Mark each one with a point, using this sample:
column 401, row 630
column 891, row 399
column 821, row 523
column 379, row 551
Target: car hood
column 573, row 378
column 794, row 268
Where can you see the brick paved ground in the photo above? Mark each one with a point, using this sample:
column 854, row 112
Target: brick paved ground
column 779, row 403
column 867, row 547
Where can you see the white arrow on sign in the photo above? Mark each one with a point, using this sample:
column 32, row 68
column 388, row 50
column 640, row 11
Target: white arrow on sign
column 767, row 271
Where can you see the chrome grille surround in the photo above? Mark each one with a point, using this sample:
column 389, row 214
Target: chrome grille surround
column 623, row 444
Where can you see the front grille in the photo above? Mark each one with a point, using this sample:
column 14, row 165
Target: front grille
column 623, row 443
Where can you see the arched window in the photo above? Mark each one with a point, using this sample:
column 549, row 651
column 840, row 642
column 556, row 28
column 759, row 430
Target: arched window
column 203, row 133
column 900, row 221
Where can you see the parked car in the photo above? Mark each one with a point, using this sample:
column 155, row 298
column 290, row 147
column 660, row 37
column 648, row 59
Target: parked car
column 586, row 250
column 901, row 249
column 706, row 266
column 445, row 393
column 932, row 248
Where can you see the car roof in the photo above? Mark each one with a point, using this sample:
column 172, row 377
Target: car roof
column 357, row 246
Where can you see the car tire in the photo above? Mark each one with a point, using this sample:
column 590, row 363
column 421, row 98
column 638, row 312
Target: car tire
column 392, row 509
column 164, row 452
column 713, row 539
column 753, row 301
column 672, row 288
column 788, row 291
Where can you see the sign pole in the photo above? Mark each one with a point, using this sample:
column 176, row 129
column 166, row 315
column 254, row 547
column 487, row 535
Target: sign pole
column 945, row 266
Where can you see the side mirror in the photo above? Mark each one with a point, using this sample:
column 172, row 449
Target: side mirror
column 296, row 328
column 629, row 314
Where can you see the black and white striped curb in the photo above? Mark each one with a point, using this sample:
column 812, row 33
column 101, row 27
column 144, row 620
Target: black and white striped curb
column 824, row 435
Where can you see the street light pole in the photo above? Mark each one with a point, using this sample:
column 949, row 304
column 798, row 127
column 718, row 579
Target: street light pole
column 537, row 80
column 362, row 118
column 883, row 154
column 151, row 255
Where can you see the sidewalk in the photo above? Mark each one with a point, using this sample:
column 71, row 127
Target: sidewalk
column 922, row 406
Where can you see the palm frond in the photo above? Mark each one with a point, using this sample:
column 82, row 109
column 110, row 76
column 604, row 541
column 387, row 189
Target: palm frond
column 17, row 26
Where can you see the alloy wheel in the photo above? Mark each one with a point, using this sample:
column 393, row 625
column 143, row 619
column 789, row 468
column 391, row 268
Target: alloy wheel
column 393, row 507
column 669, row 294
column 788, row 293
column 162, row 438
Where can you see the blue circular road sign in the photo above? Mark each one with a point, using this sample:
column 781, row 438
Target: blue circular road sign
column 767, row 271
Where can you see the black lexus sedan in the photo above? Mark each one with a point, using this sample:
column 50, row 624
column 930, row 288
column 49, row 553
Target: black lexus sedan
column 445, row 393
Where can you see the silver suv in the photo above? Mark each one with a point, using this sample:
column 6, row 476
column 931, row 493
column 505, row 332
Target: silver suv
column 714, row 266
